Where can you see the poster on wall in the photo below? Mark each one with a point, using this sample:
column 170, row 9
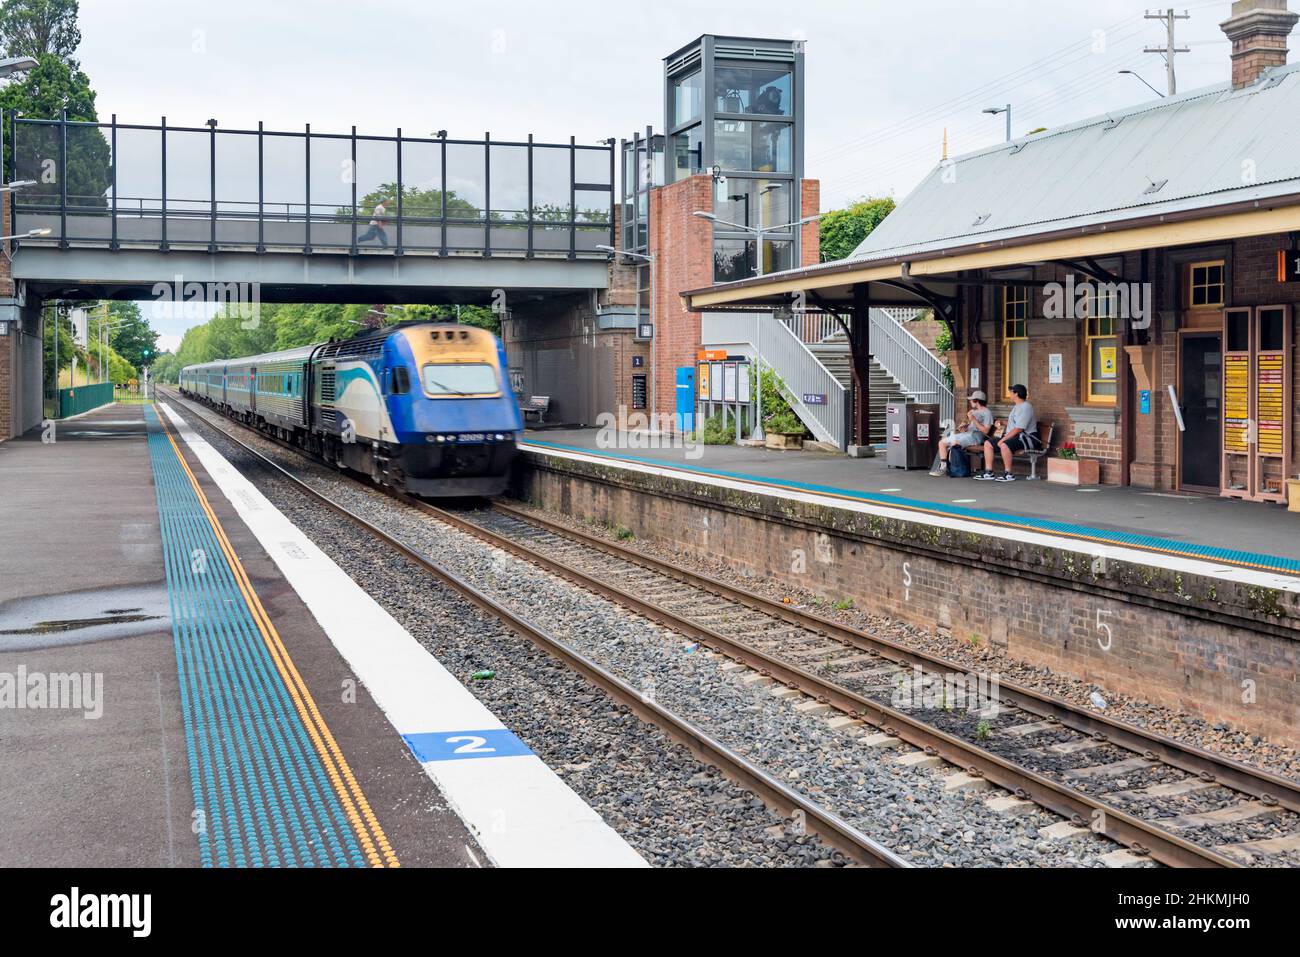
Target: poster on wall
column 729, row 382
column 702, row 381
column 1108, row 367
column 1055, row 369
column 742, row 387
column 715, row 382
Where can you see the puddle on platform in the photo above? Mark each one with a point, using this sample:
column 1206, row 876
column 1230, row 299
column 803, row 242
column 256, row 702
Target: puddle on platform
column 74, row 618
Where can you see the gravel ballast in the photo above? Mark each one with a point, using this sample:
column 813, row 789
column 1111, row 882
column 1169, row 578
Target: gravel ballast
column 907, row 809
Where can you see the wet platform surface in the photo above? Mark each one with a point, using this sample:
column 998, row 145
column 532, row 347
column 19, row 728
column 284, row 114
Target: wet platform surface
column 1266, row 529
column 96, row 770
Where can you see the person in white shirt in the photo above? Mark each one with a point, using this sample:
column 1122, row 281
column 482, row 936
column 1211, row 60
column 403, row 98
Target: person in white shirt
column 377, row 221
column 979, row 424
column 1021, row 433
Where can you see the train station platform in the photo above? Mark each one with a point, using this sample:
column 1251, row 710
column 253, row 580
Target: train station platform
column 187, row 680
column 1217, row 530
column 1184, row 601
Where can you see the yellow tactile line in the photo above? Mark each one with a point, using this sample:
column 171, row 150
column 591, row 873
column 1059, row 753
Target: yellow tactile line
column 322, row 738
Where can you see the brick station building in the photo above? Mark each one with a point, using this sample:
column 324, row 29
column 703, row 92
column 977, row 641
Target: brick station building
column 1172, row 228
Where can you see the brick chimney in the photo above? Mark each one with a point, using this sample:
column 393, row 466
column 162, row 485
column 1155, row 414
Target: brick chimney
column 1258, row 30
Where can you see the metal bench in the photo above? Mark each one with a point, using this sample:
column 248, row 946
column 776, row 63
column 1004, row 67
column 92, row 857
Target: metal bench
column 1045, row 431
column 537, row 405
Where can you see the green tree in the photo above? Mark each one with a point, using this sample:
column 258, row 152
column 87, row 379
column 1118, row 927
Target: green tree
column 60, row 326
column 484, row 317
column 51, row 88
column 842, row 230
column 166, row 368
column 133, row 339
column 36, row 27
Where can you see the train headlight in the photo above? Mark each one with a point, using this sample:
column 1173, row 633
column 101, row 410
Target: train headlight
column 499, row 437
column 442, row 438
column 451, row 438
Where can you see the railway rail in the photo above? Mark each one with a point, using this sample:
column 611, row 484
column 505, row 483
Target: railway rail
column 828, row 826
column 783, row 642
column 780, row 641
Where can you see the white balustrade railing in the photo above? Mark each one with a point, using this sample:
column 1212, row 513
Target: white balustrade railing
column 815, row 395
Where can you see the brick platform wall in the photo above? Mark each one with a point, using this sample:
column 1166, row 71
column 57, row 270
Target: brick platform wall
column 1220, row 651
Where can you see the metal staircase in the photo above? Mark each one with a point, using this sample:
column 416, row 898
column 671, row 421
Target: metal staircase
column 811, row 354
column 834, row 355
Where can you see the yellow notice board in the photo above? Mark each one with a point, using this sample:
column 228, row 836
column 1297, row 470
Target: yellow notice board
column 1236, row 408
column 702, row 381
column 1108, row 367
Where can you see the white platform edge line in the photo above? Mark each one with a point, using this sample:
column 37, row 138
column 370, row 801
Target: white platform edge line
column 522, row 813
column 1191, row 566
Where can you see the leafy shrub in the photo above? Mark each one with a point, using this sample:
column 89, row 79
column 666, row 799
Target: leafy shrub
column 785, row 422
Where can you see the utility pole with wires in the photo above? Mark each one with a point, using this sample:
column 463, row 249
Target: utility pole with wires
column 1171, row 49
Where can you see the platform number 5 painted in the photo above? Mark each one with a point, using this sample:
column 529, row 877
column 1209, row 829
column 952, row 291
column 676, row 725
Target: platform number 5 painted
column 474, row 744
column 1104, row 628
column 907, row 581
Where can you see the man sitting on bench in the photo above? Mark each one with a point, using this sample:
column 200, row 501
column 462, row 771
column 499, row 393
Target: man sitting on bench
column 979, row 425
column 1021, row 434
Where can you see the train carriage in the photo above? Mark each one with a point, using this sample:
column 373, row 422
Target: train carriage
column 418, row 406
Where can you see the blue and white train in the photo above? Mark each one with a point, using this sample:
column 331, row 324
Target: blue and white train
column 422, row 407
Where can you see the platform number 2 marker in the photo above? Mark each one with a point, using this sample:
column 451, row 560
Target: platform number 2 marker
column 1104, row 628
column 474, row 745
column 907, row 581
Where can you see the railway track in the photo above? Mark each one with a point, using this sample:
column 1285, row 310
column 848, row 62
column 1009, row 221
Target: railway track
column 818, row 820
column 1039, row 747
column 1043, row 749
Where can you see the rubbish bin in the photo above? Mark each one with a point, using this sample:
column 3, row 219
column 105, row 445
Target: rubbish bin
column 911, row 435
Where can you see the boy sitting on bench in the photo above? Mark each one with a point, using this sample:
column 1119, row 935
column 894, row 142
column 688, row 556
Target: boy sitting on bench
column 979, row 425
column 1021, row 434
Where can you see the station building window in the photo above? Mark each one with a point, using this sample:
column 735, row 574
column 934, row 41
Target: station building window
column 737, row 258
column 1015, row 336
column 752, row 202
column 688, row 149
column 1101, row 349
column 688, row 98
column 1207, row 285
column 765, row 90
column 746, row 145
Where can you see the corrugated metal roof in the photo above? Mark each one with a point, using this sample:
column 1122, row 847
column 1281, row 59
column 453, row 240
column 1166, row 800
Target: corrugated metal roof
column 1197, row 150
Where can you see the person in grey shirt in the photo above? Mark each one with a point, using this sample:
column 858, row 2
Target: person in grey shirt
column 1021, row 433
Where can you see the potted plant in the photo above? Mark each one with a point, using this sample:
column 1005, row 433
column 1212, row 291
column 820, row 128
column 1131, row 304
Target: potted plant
column 1068, row 469
column 783, row 431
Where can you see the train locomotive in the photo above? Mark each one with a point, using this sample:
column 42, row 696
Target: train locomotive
column 421, row 407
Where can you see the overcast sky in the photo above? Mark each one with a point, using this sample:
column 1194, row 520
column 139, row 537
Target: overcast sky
column 884, row 78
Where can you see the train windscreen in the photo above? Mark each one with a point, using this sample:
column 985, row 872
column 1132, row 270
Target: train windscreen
column 460, row 378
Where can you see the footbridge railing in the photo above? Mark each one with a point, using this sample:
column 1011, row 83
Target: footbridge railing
column 160, row 186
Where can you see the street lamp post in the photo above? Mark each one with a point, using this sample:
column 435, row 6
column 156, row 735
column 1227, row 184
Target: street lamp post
column 995, row 110
column 1143, row 79
column 17, row 65
column 649, row 260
